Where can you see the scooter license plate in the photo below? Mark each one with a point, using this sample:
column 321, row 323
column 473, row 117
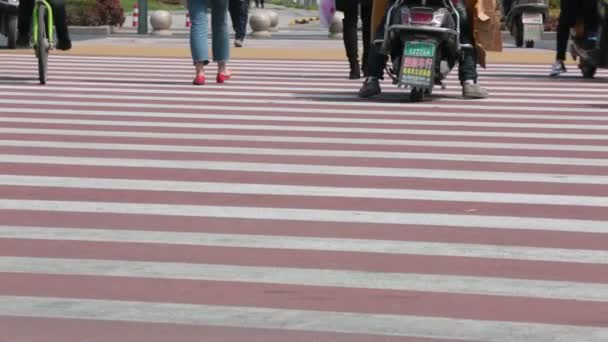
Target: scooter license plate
column 533, row 32
column 418, row 64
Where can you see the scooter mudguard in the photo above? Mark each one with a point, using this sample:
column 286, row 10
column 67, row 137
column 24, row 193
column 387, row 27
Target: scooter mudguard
column 418, row 64
column 533, row 26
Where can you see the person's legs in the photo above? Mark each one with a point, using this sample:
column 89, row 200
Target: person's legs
column 567, row 19
column 366, row 20
column 26, row 7
column 199, row 45
column 375, row 64
column 233, row 9
column 238, row 10
column 467, row 66
column 61, row 24
column 243, row 19
column 351, row 45
column 220, row 37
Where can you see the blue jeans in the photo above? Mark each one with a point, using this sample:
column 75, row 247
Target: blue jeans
column 199, row 30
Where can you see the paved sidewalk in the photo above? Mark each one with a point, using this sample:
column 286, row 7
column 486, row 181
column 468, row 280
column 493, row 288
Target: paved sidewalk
column 286, row 16
column 304, row 49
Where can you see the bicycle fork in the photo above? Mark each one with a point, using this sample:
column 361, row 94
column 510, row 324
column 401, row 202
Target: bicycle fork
column 49, row 23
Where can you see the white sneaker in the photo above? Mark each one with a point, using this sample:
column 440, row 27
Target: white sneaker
column 557, row 69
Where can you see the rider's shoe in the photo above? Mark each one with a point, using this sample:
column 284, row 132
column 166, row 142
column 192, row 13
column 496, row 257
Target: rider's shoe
column 23, row 41
column 64, row 44
column 370, row 87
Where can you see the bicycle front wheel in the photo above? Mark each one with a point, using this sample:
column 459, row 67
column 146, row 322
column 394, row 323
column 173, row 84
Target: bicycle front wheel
column 42, row 45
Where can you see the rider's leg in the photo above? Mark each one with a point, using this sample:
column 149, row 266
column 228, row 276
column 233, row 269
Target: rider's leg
column 61, row 24
column 591, row 15
column 375, row 66
column 26, row 7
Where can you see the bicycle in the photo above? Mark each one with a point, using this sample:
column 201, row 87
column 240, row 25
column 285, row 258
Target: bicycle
column 42, row 36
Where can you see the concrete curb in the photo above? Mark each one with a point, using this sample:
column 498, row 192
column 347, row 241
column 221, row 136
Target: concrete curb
column 310, row 33
column 90, row 30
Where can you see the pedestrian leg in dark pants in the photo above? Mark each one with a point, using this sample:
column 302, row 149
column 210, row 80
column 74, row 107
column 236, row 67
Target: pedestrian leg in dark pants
column 350, row 35
column 351, row 44
column 238, row 13
column 366, row 21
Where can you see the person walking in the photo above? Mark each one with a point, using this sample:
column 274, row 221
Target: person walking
column 258, row 3
column 198, row 38
column 239, row 13
column 352, row 9
column 569, row 12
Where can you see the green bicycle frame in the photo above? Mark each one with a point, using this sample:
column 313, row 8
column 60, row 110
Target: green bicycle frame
column 50, row 22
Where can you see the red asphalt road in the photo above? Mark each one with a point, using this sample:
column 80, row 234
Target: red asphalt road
column 306, row 116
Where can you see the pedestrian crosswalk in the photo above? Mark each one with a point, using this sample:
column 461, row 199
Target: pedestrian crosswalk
column 280, row 207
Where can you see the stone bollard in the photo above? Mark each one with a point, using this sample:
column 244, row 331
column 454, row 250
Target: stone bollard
column 260, row 24
column 161, row 23
column 274, row 21
column 336, row 27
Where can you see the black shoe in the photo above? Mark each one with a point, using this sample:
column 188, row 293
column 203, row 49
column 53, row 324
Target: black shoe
column 371, row 87
column 64, row 44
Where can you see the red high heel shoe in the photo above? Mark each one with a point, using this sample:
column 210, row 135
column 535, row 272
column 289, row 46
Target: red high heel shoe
column 199, row 80
column 223, row 76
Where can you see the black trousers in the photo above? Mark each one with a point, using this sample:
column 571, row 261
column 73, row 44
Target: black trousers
column 467, row 67
column 258, row 3
column 570, row 10
column 351, row 40
column 506, row 6
column 238, row 14
column 26, row 8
